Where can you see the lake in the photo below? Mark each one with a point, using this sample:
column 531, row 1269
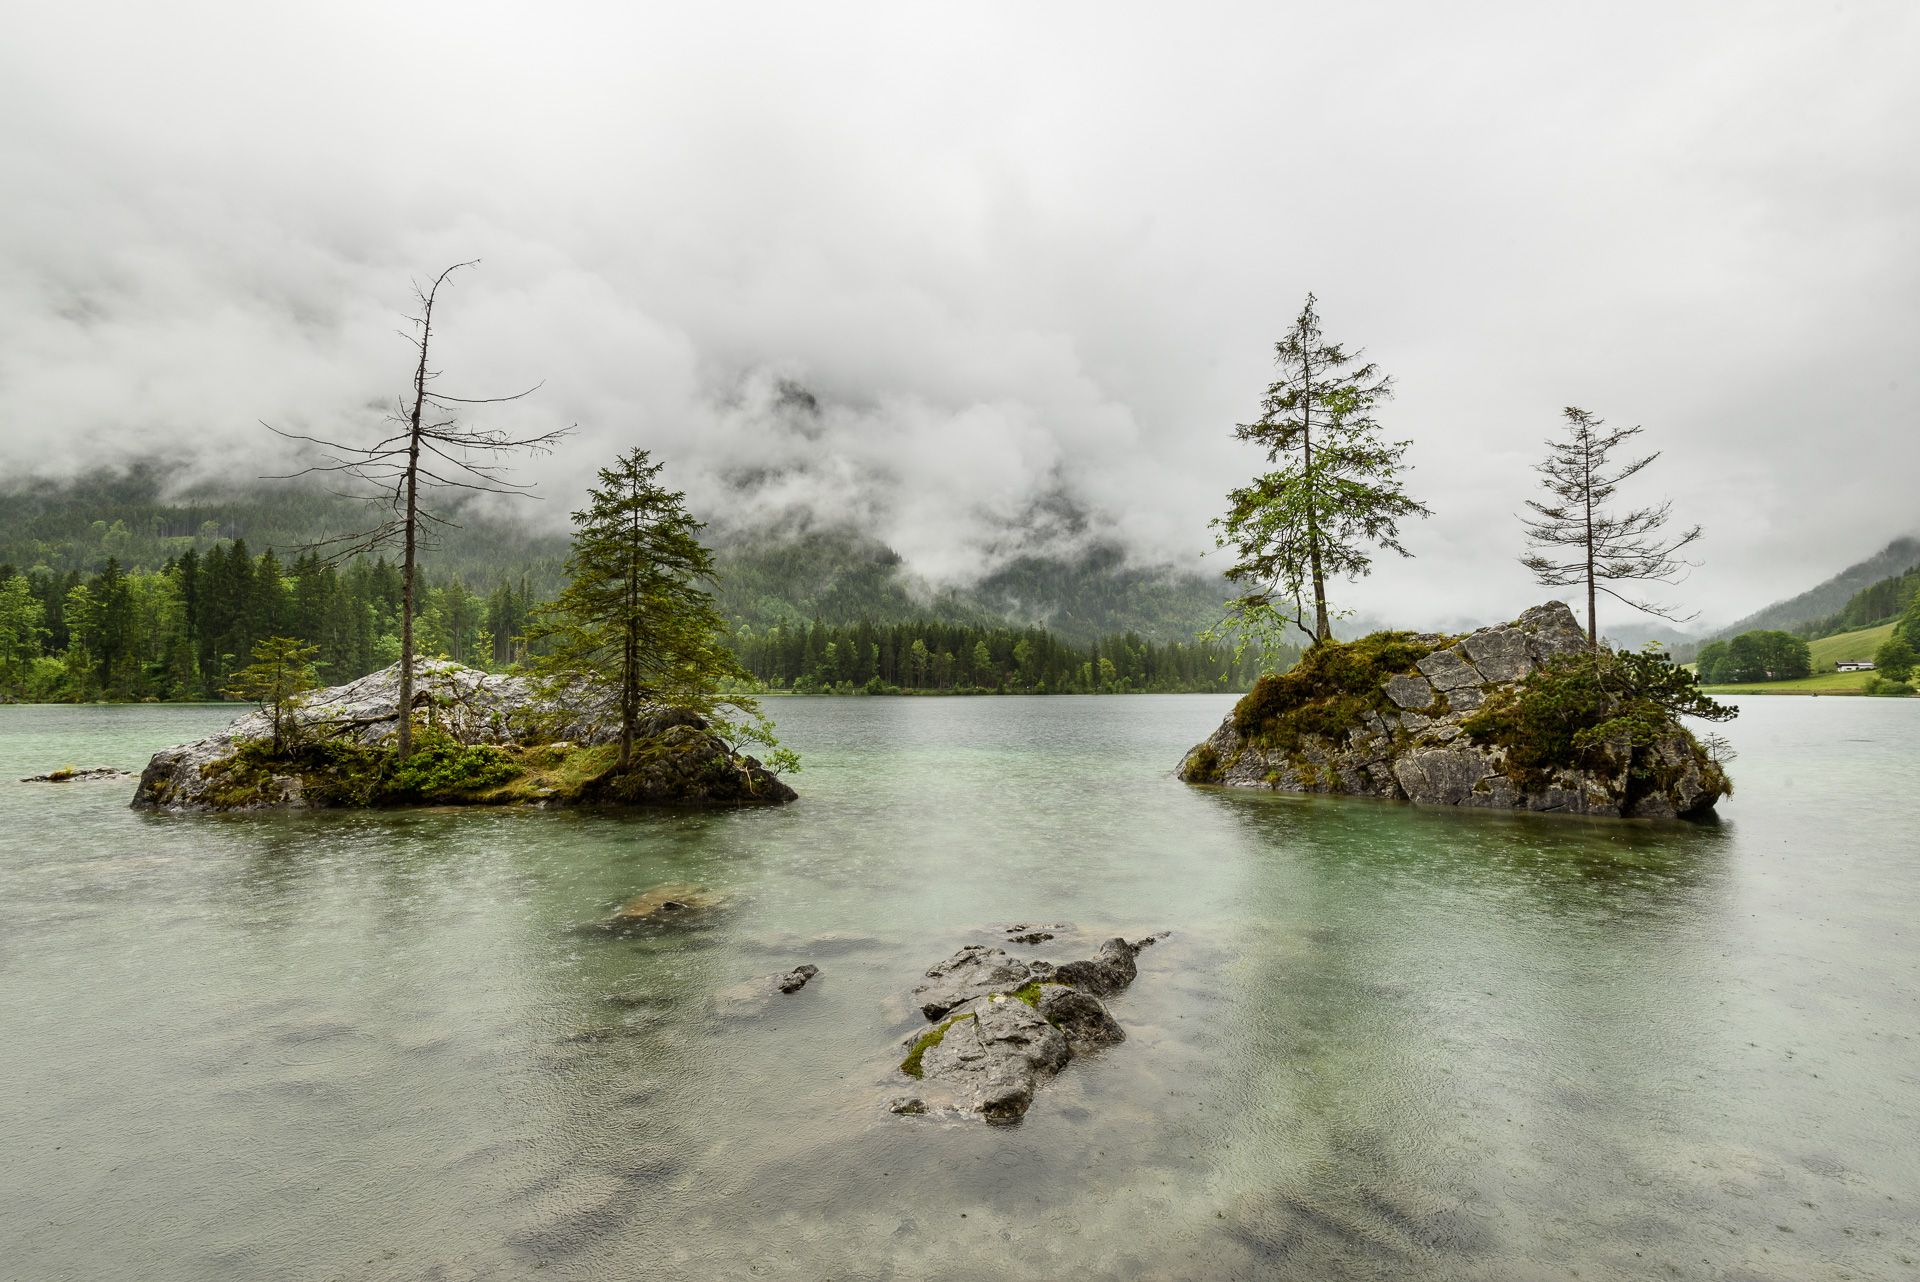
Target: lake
column 1381, row 1041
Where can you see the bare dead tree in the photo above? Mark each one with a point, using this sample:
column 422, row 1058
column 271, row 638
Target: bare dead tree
column 1606, row 548
column 430, row 449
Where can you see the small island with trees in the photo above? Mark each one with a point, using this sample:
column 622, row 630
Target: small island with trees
column 625, row 705
column 1535, row 714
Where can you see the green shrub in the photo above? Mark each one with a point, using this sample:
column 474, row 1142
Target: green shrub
column 442, row 767
column 1895, row 658
column 1586, row 710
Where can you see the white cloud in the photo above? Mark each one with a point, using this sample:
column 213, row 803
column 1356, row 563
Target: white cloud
column 1015, row 253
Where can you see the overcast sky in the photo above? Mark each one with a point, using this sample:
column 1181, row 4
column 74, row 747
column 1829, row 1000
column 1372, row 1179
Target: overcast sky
column 1017, row 252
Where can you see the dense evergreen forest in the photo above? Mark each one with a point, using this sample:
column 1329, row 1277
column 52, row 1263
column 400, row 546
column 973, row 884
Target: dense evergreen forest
column 880, row 658
column 108, row 592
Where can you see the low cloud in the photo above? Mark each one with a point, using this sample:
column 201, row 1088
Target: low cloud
column 995, row 284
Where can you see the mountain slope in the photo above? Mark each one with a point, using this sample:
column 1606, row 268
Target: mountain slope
column 1830, row 597
column 766, row 575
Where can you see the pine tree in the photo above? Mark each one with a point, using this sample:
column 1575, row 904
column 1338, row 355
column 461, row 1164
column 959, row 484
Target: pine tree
column 1336, row 493
column 278, row 679
column 634, row 612
column 1604, row 548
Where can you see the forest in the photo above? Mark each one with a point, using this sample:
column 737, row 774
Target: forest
column 180, row 630
column 110, row 590
column 1871, row 607
column 934, row 656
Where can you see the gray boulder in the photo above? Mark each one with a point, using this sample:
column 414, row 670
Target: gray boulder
column 1410, row 691
column 1084, row 1019
column 1106, row 973
column 1003, row 1026
column 991, row 1055
column 975, row 971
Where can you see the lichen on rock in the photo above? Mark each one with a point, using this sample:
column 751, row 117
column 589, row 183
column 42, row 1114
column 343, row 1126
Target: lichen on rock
column 480, row 739
column 1522, row 715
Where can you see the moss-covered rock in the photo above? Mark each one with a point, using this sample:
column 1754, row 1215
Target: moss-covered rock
column 479, row 739
column 1517, row 716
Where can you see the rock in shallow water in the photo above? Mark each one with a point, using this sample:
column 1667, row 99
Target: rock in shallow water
column 1003, row 1026
column 796, row 979
column 662, row 901
column 79, row 776
column 1084, row 1019
column 758, row 995
column 995, row 1050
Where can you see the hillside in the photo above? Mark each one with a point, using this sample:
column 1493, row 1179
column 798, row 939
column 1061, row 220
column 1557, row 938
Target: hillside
column 766, row 576
column 76, row 527
column 840, row 577
column 1831, row 597
column 1828, row 651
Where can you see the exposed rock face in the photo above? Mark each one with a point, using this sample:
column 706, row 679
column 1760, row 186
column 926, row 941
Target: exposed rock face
column 996, row 1052
column 974, row 971
column 1103, row 975
column 1003, row 1026
column 677, row 759
column 1085, row 1020
column 1409, row 744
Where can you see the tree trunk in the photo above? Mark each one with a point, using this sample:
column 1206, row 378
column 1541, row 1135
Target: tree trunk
column 404, row 746
column 1593, row 628
column 1322, row 629
column 629, row 692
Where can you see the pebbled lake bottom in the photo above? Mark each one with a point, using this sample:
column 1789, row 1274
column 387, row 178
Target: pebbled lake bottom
column 1380, row 1041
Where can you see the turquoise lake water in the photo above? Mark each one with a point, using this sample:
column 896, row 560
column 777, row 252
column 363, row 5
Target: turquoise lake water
column 1381, row 1041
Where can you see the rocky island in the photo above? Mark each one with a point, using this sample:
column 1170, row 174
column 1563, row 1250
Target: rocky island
column 480, row 739
column 1519, row 716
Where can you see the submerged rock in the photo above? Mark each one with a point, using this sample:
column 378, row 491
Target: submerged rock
column 757, row 995
column 71, row 775
column 1003, row 1026
column 1408, row 717
column 662, row 901
column 491, row 739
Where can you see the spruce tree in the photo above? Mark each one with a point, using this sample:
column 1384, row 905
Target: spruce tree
column 1336, row 493
column 634, row 612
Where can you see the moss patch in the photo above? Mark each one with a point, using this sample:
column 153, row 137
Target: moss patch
column 1329, row 692
column 1204, row 765
column 911, row 1064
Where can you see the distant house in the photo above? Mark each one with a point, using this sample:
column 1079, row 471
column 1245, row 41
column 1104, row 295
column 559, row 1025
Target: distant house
column 1854, row 665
